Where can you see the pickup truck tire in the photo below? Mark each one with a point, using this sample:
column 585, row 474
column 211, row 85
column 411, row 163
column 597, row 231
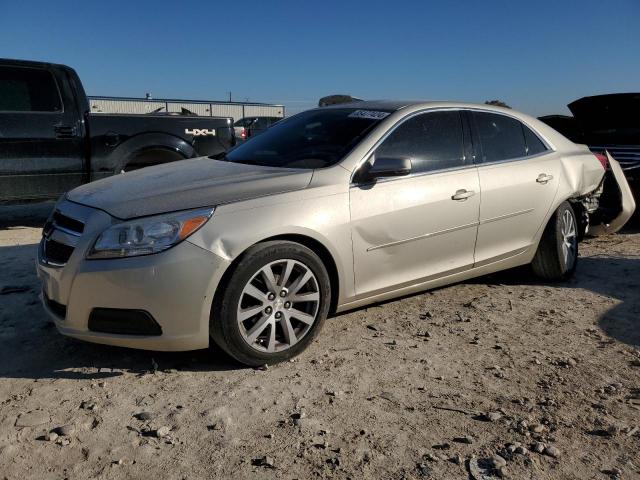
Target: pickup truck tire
column 279, row 306
column 557, row 254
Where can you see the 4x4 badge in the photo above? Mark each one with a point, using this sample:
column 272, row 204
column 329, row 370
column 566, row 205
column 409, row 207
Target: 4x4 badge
column 199, row 132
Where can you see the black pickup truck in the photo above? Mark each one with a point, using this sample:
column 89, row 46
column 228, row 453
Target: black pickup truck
column 51, row 143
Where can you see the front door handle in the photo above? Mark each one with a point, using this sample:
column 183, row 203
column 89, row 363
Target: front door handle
column 64, row 131
column 543, row 178
column 462, row 194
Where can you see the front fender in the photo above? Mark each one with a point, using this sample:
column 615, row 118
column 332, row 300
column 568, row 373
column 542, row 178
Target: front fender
column 325, row 220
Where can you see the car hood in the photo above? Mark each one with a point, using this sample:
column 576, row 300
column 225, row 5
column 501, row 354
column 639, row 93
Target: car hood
column 186, row 184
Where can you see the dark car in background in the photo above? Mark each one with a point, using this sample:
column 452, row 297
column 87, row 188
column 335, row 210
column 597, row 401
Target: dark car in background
column 612, row 122
column 50, row 142
column 248, row 127
column 606, row 122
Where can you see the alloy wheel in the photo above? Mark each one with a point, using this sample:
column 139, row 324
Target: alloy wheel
column 278, row 305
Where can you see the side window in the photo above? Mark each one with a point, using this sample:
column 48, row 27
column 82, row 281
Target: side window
column 433, row 141
column 534, row 144
column 28, row 90
column 501, row 137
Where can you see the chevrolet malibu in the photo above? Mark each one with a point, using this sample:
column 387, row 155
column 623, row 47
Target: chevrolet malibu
column 329, row 210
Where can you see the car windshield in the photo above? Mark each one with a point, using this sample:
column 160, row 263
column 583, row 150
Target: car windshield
column 312, row 139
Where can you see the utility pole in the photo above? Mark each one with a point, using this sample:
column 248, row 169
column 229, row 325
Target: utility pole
column 229, row 96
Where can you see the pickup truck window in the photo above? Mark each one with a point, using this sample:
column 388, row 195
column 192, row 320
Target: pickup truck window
column 28, row 90
column 312, row 139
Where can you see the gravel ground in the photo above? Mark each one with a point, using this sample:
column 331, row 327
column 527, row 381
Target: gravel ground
column 500, row 376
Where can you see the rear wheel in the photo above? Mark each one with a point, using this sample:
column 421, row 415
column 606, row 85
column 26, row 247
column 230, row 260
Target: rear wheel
column 557, row 254
column 273, row 304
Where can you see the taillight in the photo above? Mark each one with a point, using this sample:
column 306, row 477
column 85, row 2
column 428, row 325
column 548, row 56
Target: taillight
column 243, row 134
column 603, row 159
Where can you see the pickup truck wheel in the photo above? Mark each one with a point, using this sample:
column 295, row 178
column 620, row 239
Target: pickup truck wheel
column 557, row 254
column 273, row 304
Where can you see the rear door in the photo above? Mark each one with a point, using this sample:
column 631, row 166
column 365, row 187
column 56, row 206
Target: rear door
column 410, row 229
column 519, row 178
column 41, row 152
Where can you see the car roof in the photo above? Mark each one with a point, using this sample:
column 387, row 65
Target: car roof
column 387, row 105
column 551, row 136
column 28, row 63
column 395, row 105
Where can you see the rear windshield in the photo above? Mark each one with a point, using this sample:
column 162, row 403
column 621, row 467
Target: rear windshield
column 312, row 139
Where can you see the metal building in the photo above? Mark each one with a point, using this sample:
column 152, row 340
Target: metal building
column 236, row 110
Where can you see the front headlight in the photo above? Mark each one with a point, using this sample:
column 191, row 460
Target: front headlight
column 148, row 235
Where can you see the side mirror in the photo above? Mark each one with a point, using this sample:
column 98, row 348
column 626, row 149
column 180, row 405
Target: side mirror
column 384, row 167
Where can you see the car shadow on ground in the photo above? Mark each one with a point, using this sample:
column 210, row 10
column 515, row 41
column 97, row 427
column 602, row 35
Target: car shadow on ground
column 615, row 277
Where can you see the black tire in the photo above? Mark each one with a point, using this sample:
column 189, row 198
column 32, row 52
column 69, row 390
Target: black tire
column 550, row 261
column 223, row 324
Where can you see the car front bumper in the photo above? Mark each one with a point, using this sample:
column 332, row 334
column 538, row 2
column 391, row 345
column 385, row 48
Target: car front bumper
column 175, row 288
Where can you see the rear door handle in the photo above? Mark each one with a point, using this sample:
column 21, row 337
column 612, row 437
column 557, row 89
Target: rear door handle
column 462, row 194
column 544, row 178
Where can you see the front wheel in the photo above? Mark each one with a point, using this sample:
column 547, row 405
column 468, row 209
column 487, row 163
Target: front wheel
column 557, row 254
column 273, row 304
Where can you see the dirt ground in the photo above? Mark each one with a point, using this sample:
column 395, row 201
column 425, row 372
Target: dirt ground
column 429, row 386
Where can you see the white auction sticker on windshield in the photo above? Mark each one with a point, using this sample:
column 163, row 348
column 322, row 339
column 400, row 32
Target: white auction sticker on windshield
column 370, row 114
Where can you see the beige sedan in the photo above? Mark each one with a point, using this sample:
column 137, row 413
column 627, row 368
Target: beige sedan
column 329, row 210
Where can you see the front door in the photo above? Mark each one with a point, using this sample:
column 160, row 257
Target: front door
column 409, row 229
column 41, row 152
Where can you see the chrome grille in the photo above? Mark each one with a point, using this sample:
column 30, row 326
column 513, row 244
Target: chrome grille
column 59, row 238
column 627, row 155
column 57, row 253
column 71, row 225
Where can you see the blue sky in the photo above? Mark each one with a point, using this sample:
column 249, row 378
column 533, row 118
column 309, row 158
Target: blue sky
column 536, row 55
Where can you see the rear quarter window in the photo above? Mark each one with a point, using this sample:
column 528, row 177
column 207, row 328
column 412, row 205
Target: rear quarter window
column 533, row 142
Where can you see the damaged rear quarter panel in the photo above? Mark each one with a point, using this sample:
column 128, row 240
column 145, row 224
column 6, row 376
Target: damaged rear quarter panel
column 581, row 175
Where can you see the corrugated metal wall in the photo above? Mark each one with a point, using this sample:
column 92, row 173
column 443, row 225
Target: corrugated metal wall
column 124, row 106
column 227, row 110
column 198, row 108
column 217, row 109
